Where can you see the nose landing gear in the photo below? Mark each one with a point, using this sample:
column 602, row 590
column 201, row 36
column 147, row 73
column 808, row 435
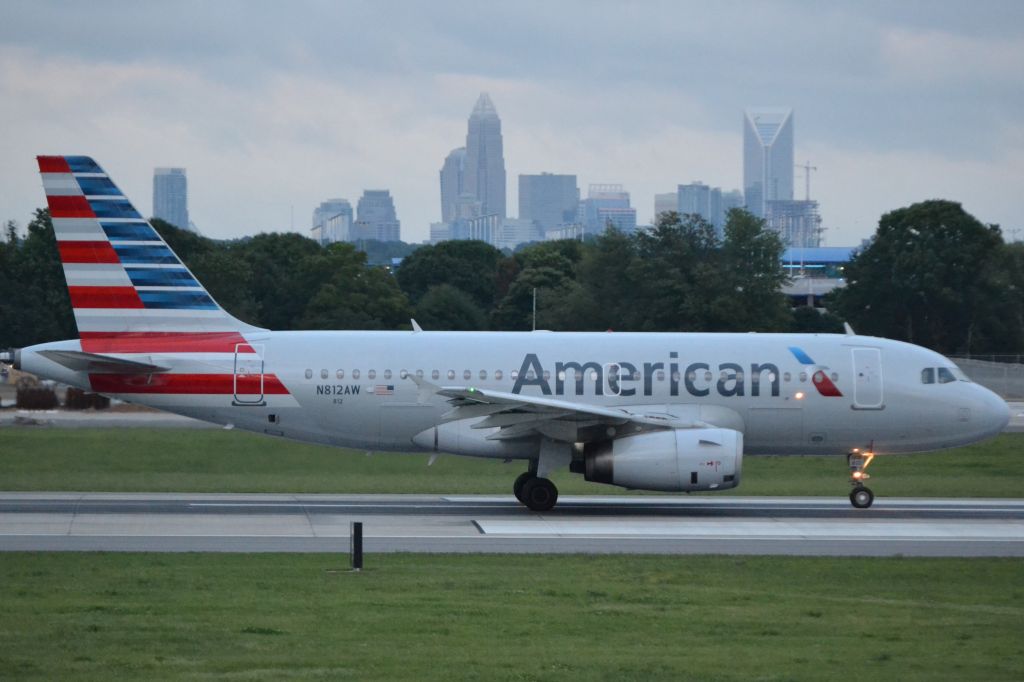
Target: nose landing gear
column 861, row 496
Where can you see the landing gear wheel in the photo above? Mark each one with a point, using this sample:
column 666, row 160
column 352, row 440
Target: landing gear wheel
column 517, row 487
column 539, row 494
column 861, row 497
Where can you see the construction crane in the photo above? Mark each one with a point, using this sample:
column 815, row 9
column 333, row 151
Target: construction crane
column 807, row 178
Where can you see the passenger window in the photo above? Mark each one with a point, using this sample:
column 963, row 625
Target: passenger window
column 340, row 374
column 387, row 374
column 355, row 374
column 435, row 375
column 497, row 374
column 451, row 374
column 323, row 374
column 661, row 375
column 483, row 375
column 372, row 374
column 514, row 374
column 309, row 374
column 466, row 375
column 945, row 376
column 404, row 374
column 787, row 377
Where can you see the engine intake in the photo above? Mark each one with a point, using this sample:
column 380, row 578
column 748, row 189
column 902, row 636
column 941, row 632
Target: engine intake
column 673, row 460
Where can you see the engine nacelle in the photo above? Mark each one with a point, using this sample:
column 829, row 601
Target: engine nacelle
column 673, row 460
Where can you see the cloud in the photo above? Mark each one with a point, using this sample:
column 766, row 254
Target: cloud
column 855, row 187
column 927, row 58
column 273, row 109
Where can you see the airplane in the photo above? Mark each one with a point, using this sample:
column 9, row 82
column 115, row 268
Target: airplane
column 672, row 412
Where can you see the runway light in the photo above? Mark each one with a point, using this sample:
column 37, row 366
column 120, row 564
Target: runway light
column 799, row 395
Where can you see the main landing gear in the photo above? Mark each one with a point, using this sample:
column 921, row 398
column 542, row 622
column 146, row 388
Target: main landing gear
column 539, row 494
column 861, row 496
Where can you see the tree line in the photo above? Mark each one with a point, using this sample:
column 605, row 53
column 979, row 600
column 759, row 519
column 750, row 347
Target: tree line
column 932, row 275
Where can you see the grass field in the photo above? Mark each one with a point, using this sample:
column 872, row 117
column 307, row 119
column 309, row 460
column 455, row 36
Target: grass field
column 181, row 460
column 409, row 617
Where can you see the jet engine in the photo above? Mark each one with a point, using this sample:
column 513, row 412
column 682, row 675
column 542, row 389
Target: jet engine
column 673, row 460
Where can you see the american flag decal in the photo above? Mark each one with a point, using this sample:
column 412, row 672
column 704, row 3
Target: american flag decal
column 382, row 389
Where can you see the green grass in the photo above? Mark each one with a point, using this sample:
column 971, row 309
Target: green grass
column 420, row 617
column 182, row 460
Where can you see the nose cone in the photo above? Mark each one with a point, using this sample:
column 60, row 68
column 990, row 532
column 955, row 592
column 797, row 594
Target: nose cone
column 994, row 413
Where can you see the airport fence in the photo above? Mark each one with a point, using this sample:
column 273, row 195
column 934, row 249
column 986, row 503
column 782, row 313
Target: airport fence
column 1003, row 374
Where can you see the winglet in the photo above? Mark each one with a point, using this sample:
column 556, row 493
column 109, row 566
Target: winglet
column 848, row 329
column 415, row 326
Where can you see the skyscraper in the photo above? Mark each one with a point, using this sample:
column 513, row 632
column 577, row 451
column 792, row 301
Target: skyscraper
column 695, row 199
column 170, row 196
column 548, row 200
column 664, row 203
column 767, row 157
column 332, row 220
column 453, row 174
column 485, row 161
column 375, row 217
column 606, row 205
column 797, row 222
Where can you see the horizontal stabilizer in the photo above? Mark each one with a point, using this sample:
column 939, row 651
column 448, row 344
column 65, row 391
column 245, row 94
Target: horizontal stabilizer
column 79, row 361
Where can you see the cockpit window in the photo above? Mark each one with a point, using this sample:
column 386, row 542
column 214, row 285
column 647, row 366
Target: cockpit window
column 928, row 375
column 946, row 376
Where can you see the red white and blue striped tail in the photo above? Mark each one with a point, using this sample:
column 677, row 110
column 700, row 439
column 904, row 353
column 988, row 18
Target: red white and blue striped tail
column 129, row 291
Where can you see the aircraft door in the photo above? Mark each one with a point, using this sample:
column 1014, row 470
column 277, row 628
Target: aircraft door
column 248, row 374
column 867, row 377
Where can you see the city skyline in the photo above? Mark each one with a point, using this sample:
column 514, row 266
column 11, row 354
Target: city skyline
column 896, row 104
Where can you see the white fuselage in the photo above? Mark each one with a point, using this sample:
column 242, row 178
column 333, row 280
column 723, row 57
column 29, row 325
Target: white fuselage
column 356, row 389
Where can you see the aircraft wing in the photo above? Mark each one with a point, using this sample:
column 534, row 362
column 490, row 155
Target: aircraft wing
column 518, row 416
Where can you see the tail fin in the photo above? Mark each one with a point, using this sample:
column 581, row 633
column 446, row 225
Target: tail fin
column 128, row 289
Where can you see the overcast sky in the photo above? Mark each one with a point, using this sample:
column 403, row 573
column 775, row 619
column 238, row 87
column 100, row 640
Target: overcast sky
column 273, row 106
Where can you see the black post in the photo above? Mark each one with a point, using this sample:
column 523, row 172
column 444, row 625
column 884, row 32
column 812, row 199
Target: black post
column 356, row 545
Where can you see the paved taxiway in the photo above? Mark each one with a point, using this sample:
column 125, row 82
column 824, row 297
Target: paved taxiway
column 488, row 524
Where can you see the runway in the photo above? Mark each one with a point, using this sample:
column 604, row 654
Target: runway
column 498, row 524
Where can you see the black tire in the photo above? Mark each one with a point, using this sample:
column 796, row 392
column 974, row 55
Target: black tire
column 540, row 494
column 517, row 487
column 861, row 497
